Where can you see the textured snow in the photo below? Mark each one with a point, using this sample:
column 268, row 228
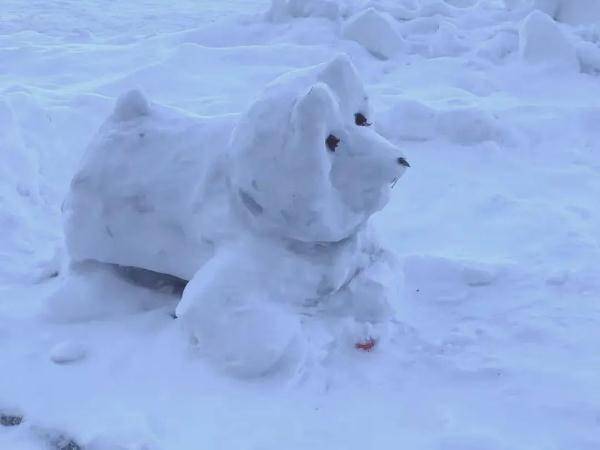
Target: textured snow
column 493, row 341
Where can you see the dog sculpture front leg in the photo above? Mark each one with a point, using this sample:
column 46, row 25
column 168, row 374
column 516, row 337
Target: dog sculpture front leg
column 236, row 321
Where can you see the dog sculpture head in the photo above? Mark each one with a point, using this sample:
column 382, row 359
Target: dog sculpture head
column 306, row 163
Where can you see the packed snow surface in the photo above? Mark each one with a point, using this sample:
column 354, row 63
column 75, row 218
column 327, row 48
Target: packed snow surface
column 492, row 341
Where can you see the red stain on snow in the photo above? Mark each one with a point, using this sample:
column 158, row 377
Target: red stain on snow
column 366, row 345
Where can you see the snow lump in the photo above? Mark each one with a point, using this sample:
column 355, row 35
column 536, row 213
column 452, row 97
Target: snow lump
column 375, row 31
column 541, row 41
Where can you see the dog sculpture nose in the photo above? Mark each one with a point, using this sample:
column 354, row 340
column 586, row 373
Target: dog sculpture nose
column 403, row 162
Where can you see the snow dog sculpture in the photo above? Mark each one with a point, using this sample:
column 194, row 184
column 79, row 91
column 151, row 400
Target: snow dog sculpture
column 266, row 213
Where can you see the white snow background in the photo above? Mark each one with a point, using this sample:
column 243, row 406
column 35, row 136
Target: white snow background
column 497, row 223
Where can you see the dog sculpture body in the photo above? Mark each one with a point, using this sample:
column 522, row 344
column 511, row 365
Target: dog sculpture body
column 266, row 213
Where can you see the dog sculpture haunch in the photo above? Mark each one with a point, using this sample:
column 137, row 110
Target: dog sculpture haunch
column 266, row 213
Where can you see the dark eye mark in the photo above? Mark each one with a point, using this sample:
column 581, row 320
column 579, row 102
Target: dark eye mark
column 332, row 142
column 403, row 162
column 249, row 202
column 361, row 120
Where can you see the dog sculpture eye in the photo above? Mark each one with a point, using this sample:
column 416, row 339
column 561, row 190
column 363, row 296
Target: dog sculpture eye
column 332, row 142
column 361, row 120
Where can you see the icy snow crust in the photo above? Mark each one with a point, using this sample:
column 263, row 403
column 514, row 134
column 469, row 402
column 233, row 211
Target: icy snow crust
column 495, row 226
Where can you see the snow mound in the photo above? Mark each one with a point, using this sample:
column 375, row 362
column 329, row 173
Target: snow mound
column 67, row 352
column 542, row 41
column 499, row 46
column 376, row 31
column 468, row 126
column 95, row 292
column 589, row 57
column 413, row 120
column 446, row 41
column 409, row 120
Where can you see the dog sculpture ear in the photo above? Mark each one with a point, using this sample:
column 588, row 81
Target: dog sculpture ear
column 342, row 78
column 314, row 117
column 315, row 123
column 131, row 105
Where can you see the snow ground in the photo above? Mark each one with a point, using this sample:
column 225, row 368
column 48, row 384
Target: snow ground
column 496, row 224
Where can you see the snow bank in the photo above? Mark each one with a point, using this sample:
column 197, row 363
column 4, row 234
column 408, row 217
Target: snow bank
column 376, row 31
